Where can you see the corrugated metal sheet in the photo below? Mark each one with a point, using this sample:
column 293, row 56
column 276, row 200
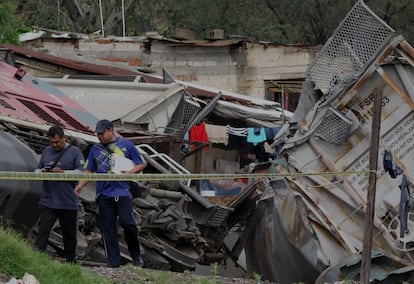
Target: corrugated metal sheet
column 128, row 102
column 80, row 67
column 69, row 63
column 22, row 102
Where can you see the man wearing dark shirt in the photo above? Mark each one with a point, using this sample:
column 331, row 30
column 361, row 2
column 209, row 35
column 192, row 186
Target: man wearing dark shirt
column 59, row 201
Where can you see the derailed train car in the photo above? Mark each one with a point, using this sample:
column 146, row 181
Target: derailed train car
column 178, row 227
column 300, row 228
column 307, row 223
column 26, row 112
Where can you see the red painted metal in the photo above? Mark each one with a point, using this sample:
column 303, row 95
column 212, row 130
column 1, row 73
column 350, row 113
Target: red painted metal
column 20, row 99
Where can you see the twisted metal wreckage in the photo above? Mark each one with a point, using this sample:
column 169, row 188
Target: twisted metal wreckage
column 175, row 233
column 294, row 228
column 315, row 222
column 178, row 227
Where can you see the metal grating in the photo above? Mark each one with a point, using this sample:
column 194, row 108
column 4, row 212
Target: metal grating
column 35, row 139
column 68, row 119
column 202, row 113
column 5, row 104
column 334, row 127
column 183, row 115
column 190, row 109
column 220, row 215
column 40, row 112
column 234, row 243
column 347, row 54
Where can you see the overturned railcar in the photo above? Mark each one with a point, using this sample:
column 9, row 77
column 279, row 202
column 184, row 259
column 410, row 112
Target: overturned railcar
column 178, row 228
column 16, row 197
column 26, row 112
column 311, row 222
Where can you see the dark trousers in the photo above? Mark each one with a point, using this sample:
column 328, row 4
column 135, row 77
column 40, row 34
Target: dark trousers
column 112, row 210
column 68, row 220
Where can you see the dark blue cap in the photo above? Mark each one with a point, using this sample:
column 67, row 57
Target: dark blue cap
column 103, row 125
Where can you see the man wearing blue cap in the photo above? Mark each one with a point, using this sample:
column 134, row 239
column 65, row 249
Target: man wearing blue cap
column 113, row 197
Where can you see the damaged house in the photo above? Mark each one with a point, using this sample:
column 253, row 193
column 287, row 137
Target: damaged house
column 237, row 64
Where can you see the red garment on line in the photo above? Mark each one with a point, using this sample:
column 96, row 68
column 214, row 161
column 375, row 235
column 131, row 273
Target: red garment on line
column 198, row 133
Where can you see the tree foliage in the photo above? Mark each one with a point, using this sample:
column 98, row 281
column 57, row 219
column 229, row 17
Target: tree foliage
column 10, row 25
column 396, row 13
column 308, row 22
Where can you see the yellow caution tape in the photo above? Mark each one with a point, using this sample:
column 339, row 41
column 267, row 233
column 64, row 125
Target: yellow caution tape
column 9, row 175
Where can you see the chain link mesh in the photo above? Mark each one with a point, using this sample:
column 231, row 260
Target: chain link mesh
column 334, row 127
column 352, row 47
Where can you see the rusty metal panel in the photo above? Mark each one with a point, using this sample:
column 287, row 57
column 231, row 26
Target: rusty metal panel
column 271, row 253
column 334, row 137
column 338, row 202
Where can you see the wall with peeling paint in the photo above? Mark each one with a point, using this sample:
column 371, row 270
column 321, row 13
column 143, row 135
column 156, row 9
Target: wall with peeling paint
column 231, row 65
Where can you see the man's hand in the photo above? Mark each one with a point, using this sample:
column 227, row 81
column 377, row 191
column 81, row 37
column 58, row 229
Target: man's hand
column 78, row 189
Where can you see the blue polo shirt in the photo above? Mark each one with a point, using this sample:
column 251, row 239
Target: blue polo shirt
column 60, row 194
column 99, row 161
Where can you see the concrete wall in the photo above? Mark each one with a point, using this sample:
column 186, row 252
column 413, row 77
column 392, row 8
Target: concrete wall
column 273, row 63
column 208, row 66
column 123, row 54
column 241, row 69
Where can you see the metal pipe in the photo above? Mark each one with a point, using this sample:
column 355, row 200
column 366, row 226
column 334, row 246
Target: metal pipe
column 162, row 193
column 123, row 19
column 102, row 25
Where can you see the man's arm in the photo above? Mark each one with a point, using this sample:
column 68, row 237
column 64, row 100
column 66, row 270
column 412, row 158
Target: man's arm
column 136, row 169
column 82, row 184
column 40, row 165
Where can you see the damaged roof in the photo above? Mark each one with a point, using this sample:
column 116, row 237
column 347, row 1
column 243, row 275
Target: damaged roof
column 86, row 68
column 94, row 81
column 25, row 101
column 76, row 67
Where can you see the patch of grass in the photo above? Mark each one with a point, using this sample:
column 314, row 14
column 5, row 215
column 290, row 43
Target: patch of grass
column 257, row 277
column 18, row 257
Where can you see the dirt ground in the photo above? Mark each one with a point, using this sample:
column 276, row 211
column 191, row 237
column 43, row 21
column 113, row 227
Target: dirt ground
column 4, row 278
column 124, row 274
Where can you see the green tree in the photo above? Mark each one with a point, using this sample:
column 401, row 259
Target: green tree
column 396, row 13
column 10, row 25
column 308, row 22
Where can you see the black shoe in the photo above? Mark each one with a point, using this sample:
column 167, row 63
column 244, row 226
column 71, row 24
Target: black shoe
column 138, row 262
